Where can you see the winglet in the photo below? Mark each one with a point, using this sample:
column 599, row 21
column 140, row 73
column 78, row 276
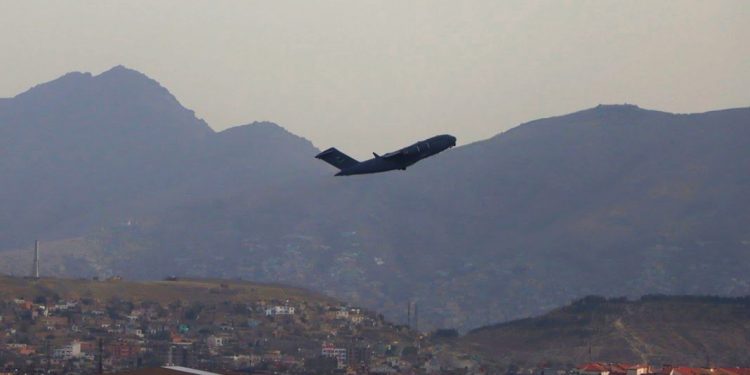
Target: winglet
column 376, row 155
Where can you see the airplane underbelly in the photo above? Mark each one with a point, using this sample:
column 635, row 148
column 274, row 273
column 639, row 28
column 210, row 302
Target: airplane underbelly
column 373, row 166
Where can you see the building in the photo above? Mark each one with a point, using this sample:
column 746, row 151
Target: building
column 600, row 368
column 72, row 350
column 272, row 356
column 214, row 343
column 280, row 310
column 123, row 350
column 639, row 370
column 330, row 350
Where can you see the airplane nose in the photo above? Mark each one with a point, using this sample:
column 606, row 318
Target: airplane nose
column 452, row 140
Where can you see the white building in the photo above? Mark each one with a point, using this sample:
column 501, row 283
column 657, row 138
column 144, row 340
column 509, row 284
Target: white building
column 280, row 310
column 72, row 350
column 638, row 370
column 214, row 343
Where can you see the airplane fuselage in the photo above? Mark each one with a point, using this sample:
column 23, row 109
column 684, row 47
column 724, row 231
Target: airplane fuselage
column 400, row 159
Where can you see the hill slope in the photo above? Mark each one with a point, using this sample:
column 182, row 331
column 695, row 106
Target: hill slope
column 654, row 329
column 614, row 200
column 206, row 291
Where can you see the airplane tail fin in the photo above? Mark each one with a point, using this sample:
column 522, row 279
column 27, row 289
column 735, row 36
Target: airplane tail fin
column 336, row 158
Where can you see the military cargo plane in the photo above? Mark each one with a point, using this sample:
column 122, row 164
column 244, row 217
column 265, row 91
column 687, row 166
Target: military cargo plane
column 400, row 159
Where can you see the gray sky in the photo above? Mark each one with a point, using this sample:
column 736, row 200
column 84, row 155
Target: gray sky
column 375, row 75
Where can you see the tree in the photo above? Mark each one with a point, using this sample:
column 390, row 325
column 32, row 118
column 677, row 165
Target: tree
column 446, row 333
column 321, row 365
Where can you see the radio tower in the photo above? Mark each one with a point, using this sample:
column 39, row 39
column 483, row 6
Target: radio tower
column 35, row 268
column 416, row 317
column 408, row 314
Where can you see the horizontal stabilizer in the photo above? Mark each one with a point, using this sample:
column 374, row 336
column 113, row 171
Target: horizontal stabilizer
column 336, row 158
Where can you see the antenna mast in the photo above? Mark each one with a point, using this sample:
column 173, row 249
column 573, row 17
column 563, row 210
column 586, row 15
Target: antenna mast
column 416, row 317
column 408, row 314
column 35, row 268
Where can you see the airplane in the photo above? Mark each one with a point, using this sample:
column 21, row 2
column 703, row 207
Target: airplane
column 400, row 159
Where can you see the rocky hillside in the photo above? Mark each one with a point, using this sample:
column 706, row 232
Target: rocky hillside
column 653, row 329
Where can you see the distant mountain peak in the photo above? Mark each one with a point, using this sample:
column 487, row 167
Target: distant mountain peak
column 260, row 130
column 624, row 106
column 268, row 126
column 614, row 114
column 121, row 78
column 616, row 109
column 74, row 76
column 118, row 78
column 121, row 72
column 119, row 97
column 259, row 127
column 121, row 68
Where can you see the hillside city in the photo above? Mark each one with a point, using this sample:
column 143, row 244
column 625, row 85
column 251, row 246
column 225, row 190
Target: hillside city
column 48, row 334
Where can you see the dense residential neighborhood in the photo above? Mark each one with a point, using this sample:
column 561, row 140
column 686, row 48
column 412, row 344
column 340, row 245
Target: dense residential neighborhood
column 230, row 333
column 50, row 334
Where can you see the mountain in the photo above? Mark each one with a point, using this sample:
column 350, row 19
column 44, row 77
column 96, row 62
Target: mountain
column 685, row 330
column 614, row 200
column 84, row 152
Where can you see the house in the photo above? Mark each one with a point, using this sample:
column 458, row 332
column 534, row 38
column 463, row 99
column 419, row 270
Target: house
column 88, row 347
column 64, row 306
column 122, row 350
column 272, row 356
column 72, row 350
column 592, row 369
column 638, row 370
column 21, row 349
column 330, row 350
column 214, row 343
column 280, row 310
column 356, row 318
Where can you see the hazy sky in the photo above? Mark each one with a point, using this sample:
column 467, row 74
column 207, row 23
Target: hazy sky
column 375, row 75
